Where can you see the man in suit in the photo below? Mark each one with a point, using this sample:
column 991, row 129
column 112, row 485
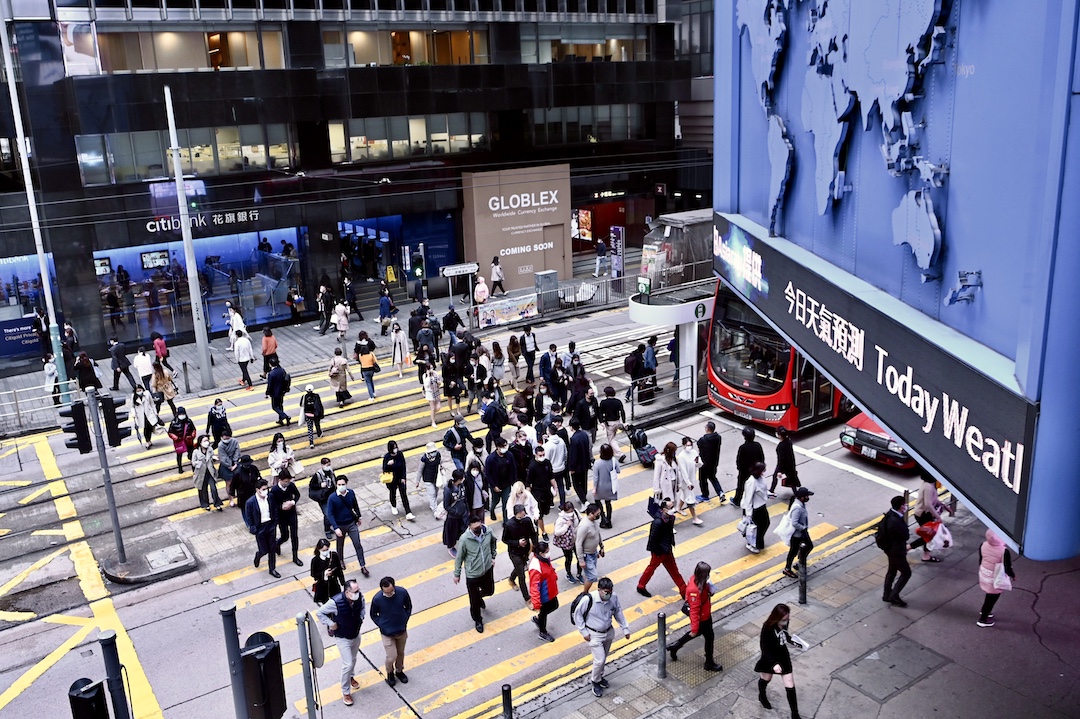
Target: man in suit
column 120, row 364
column 529, row 348
column 894, row 542
column 261, row 518
column 276, row 388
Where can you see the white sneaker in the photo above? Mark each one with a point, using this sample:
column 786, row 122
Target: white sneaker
column 411, row 517
column 750, row 547
column 393, row 511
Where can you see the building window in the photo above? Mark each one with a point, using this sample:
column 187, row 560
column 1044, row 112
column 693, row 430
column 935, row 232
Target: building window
column 339, row 151
column 122, row 52
column 93, row 167
column 569, row 125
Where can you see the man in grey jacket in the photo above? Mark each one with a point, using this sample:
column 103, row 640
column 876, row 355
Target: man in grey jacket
column 801, row 544
column 593, row 617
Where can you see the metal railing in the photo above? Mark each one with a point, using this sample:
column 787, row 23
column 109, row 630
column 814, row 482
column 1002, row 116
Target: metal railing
column 29, row 408
column 667, row 387
column 592, row 292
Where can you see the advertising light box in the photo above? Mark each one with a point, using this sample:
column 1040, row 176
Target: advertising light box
column 975, row 432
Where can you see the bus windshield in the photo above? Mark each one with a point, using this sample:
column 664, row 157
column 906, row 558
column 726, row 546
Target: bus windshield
column 748, row 360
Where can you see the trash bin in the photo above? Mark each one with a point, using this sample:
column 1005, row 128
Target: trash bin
column 87, row 700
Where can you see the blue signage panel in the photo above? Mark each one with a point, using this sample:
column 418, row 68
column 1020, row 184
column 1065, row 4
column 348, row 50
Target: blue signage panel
column 19, row 338
column 976, row 433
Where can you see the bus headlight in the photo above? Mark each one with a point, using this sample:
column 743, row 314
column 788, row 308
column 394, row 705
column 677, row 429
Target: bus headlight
column 894, row 447
column 777, row 407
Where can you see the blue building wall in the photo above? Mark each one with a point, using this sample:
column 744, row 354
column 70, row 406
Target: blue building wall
column 994, row 108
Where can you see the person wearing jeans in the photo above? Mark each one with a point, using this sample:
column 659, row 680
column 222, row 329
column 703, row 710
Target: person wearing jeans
column 543, row 588
column 343, row 511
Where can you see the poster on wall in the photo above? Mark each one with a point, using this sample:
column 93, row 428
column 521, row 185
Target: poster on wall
column 649, row 259
column 584, row 223
column 505, row 311
column 617, row 250
column 80, row 51
column 521, row 216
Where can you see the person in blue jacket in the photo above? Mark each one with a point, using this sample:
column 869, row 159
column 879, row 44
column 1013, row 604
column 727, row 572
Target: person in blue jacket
column 390, row 610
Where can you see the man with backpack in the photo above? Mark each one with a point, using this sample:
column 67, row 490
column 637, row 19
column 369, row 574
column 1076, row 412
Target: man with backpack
column 494, row 418
column 594, row 614
column 451, row 322
column 458, row 439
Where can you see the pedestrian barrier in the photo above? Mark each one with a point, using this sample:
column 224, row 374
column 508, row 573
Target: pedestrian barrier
column 22, row 409
column 508, row 702
column 661, row 645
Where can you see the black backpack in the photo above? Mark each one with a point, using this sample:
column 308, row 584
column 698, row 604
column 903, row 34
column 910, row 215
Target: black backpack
column 630, row 364
column 574, row 605
column 880, row 538
column 287, row 384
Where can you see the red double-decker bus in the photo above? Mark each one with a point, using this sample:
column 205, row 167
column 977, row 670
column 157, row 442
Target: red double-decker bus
column 756, row 375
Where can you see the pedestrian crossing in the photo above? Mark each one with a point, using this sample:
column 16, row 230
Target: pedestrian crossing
column 507, row 626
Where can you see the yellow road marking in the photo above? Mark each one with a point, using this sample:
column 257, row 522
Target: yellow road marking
column 18, row 578
column 34, row 495
column 86, row 568
column 34, row 673
column 142, row 697
column 16, row 616
column 69, row 620
column 300, row 430
column 15, row 482
column 48, row 533
column 278, row 590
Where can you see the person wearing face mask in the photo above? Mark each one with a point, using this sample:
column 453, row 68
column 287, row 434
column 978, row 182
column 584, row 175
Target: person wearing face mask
column 776, row 658
column 541, row 403
column 311, row 407
column 144, row 415
column 755, row 505
column 343, row 511
column 547, row 362
column 595, row 618
column 540, row 480
column 475, row 483
column 394, row 464
column 342, row 615
column 245, row 479
column 500, row 470
column 475, row 376
column 391, row 609
column 699, row 593
column 579, row 460
column 217, row 421
column 320, row 487
column 686, row 493
column 427, row 473
column 399, row 349
column 432, row 388
column 543, row 588
column 555, row 447
column 285, row 495
column 587, row 413
column 327, row 572
column 228, row 460
column 452, row 382
column 182, row 433
column 519, row 536
column 457, row 440
column 205, row 474
column 457, row 511
column 281, row 458
column 476, row 550
column 524, row 405
column 661, row 546
column 261, row 518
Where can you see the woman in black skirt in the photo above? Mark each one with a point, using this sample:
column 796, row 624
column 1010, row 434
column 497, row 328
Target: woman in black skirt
column 775, row 658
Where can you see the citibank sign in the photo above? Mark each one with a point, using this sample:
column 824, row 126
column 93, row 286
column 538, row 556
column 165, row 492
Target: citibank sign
column 171, row 224
column 523, row 199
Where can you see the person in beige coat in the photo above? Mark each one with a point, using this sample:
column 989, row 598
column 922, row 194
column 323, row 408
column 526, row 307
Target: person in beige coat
column 205, row 473
column 341, row 319
column 340, row 374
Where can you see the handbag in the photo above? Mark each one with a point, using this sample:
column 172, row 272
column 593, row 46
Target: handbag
column 375, row 366
column 751, row 533
column 1001, row 579
column 614, row 482
column 942, row 540
column 927, row 531
column 785, row 529
column 686, row 608
column 386, row 477
column 440, row 478
column 744, row 523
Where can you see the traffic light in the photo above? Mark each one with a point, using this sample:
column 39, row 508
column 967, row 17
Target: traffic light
column 418, row 265
column 78, row 427
column 113, row 419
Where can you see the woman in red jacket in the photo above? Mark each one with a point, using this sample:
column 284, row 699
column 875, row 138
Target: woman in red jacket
column 543, row 588
column 699, row 591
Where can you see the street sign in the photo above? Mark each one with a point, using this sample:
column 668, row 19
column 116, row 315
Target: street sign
column 699, row 311
column 465, row 268
column 644, row 285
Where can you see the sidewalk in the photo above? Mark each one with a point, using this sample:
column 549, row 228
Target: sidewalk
column 869, row 659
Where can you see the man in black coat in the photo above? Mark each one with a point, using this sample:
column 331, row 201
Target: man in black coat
column 749, row 454
column 451, row 322
column 458, row 440
column 709, row 451
column 519, row 535
column 662, row 547
column 587, row 413
column 579, row 460
column 500, row 473
column 120, row 364
column 893, row 540
column 284, row 497
column 613, row 415
column 320, row 488
column 277, row 385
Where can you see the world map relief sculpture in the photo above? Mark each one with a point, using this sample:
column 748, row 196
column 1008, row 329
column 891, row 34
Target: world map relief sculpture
column 863, row 53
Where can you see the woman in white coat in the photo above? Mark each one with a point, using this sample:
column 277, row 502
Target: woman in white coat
column 688, row 461
column 519, row 494
column 144, row 414
column 399, row 348
column 341, row 319
column 666, row 474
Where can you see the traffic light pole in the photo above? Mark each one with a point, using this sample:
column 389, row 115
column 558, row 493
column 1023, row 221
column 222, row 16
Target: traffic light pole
column 95, row 417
